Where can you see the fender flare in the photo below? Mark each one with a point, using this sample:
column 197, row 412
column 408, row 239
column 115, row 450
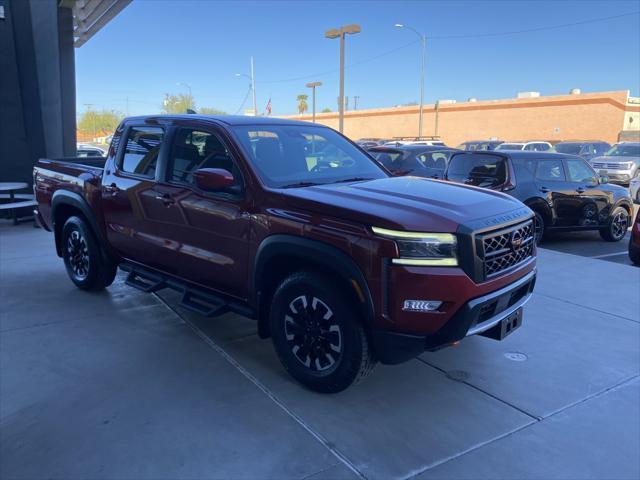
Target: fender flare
column 623, row 202
column 539, row 205
column 75, row 200
column 302, row 248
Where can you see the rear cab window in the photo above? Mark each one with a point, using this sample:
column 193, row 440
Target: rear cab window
column 480, row 170
column 141, row 150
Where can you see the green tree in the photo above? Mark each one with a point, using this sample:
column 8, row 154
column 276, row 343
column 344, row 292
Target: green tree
column 326, row 110
column 179, row 103
column 97, row 123
column 302, row 103
column 211, row 111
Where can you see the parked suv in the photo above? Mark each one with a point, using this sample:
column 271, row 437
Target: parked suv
column 526, row 146
column 621, row 163
column 417, row 160
column 475, row 145
column 290, row 223
column 563, row 191
column 584, row 149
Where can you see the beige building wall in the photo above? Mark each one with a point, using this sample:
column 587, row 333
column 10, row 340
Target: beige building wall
column 599, row 115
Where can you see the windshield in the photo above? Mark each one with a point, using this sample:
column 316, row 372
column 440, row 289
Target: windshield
column 510, row 146
column 570, row 148
column 301, row 155
column 624, row 150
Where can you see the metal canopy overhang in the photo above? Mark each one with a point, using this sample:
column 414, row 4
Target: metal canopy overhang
column 89, row 16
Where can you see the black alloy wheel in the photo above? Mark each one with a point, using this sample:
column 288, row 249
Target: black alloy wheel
column 87, row 265
column 617, row 225
column 317, row 331
column 313, row 334
column 78, row 254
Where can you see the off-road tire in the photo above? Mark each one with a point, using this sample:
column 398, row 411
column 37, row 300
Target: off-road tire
column 333, row 312
column 617, row 225
column 83, row 257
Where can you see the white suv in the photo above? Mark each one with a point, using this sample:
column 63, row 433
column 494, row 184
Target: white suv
column 527, row 146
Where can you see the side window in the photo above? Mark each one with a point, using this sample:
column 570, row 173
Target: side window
column 579, row 171
column 543, row 147
column 530, row 147
column 141, row 151
column 195, row 149
column 550, row 170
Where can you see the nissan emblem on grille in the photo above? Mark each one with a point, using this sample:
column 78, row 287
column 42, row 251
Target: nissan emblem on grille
column 507, row 247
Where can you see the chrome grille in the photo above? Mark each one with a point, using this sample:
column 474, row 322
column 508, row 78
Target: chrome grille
column 610, row 166
column 505, row 248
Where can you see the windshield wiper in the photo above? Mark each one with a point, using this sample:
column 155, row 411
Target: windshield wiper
column 353, row 179
column 301, row 184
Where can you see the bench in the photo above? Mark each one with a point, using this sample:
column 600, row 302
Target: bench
column 15, row 202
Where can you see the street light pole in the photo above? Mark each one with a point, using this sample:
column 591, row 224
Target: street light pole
column 253, row 88
column 312, row 86
column 252, row 84
column 335, row 33
column 423, row 41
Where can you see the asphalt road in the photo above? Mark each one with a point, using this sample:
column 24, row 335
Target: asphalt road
column 125, row 385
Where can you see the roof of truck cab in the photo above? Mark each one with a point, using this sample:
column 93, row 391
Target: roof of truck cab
column 226, row 119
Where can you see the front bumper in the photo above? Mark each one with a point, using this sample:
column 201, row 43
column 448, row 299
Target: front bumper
column 475, row 317
column 622, row 177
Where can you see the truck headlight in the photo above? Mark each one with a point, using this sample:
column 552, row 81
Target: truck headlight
column 417, row 248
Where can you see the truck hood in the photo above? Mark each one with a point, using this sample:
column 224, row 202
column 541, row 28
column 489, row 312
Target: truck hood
column 406, row 203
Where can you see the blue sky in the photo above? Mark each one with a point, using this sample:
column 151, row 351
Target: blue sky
column 154, row 44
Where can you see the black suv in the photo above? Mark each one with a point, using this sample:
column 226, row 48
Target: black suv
column 564, row 192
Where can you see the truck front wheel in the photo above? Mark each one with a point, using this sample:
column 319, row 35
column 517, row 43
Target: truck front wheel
column 318, row 335
column 83, row 257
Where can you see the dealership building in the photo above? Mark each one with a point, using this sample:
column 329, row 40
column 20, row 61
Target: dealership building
column 609, row 116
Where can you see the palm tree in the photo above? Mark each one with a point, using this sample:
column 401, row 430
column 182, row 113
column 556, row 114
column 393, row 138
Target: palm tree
column 302, row 103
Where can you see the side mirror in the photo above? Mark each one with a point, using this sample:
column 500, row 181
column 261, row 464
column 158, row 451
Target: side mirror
column 602, row 179
column 213, row 179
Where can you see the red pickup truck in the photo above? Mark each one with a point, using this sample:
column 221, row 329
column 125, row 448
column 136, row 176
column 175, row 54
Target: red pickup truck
column 292, row 224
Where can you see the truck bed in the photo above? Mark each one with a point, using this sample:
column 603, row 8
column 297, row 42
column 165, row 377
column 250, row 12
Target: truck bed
column 79, row 175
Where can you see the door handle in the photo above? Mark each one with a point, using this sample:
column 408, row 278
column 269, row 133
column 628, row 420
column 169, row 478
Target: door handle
column 544, row 190
column 112, row 189
column 166, row 199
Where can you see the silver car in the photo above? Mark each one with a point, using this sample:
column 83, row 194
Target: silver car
column 621, row 163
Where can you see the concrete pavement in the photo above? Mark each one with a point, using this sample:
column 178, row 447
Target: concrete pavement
column 127, row 385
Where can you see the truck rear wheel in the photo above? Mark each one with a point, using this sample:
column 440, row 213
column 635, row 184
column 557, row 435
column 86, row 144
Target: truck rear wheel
column 83, row 257
column 318, row 335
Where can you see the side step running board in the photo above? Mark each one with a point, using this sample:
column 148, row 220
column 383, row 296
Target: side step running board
column 193, row 299
column 146, row 282
column 202, row 304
